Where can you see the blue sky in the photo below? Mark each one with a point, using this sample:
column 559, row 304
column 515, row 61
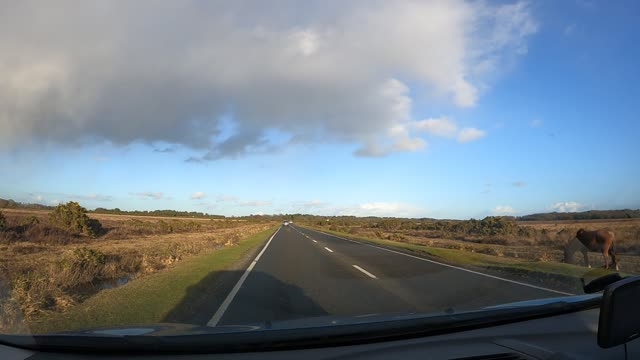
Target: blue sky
column 500, row 108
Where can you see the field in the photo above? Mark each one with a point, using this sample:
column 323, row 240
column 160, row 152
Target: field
column 46, row 270
column 527, row 241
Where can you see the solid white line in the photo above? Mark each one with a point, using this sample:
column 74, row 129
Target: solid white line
column 329, row 250
column 451, row 266
column 227, row 301
column 365, row 271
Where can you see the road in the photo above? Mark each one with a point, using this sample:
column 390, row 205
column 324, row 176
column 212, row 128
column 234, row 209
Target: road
column 302, row 273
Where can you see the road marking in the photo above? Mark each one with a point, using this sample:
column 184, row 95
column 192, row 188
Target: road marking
column 450, row 266
column 227, row 301
column 365, row 271
column 314, row 241
column 329, row 250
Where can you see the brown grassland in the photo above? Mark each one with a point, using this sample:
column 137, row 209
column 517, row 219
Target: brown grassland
column 542, row 241
column 45, row 269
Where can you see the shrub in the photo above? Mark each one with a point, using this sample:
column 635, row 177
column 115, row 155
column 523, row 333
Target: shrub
column 86, row 257
column 82, row 265
column 3, row 221
column 73, row 217
column 29, row 221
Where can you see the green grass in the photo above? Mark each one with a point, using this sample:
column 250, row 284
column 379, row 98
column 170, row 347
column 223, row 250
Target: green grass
column 149, row 299
column 468, row 258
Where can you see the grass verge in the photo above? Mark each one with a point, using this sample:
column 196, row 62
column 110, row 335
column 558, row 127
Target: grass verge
column 150, row 299
column 566, row 272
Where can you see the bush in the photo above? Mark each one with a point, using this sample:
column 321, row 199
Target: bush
column 86, row 257
column 29, row 221
column 3, row 221
column 73, row 218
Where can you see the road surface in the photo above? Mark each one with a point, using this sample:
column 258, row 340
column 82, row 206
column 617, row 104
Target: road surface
column 302, row 273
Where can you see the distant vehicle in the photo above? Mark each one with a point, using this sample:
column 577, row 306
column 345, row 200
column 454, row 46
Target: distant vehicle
column 286, row 223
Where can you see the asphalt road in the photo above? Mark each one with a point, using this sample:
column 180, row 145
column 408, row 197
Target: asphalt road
column 303, row 273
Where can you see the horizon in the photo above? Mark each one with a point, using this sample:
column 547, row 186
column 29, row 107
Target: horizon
column 501, row 108
column 306, row 214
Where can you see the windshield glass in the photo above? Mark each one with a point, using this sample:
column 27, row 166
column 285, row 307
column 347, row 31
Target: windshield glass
column 234, row 166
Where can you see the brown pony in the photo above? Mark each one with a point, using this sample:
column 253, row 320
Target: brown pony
column 599, row 240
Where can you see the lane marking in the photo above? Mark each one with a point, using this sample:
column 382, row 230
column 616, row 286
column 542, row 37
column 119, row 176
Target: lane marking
column 450, row 266
column 227, row 301
column 365, row 272
column 314, row 241
column 329, row 250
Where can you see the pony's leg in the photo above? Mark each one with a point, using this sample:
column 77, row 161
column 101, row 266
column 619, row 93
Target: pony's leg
column 606, row 260
column 614, row 259
column 586, row 259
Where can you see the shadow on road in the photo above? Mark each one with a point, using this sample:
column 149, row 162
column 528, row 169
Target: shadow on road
column 262, row 298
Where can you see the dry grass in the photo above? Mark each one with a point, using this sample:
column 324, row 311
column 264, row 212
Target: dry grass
column 545, row 244
column 44, row 269
column 558, row 232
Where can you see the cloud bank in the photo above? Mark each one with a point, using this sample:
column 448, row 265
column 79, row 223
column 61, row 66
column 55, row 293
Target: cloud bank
column 568, row 206
column 219, row 77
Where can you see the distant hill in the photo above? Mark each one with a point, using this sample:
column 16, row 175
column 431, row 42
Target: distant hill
column 584, row 215
column 11, row 204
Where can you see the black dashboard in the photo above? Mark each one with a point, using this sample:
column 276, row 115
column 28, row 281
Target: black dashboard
column 567, row 336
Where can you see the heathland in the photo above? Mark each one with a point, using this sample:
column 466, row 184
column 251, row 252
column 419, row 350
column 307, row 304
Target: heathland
column 65, row 267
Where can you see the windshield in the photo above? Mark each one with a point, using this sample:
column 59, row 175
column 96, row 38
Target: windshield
column 241, row 166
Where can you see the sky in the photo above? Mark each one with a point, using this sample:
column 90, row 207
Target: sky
column 443, row 109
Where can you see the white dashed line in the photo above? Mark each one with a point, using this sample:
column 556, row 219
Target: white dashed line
column 314, row 241
column 365, row 272
column 447, row 265
column 329, row 250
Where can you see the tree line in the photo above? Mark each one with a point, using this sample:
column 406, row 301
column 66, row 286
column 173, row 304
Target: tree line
column 163, row 213
column 584, row 215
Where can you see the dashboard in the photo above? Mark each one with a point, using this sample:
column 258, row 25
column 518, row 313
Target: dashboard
column 567, row 336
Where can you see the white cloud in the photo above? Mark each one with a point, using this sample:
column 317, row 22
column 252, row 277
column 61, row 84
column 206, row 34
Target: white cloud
column 373, row 208
column 225, row 198
column 448, row 128
column 255, row 203
column 503, row 210
column 94, row 197
column 470, row 134
column 519, row 183
column 535, row 123
column 307, row 207
column 439, row 126
column 197, row 195
column 568, row 206
column 208, row 205
column 55, row 202
column 149, row 195
column 393, row 209
column 306, row 41
column 321, row 72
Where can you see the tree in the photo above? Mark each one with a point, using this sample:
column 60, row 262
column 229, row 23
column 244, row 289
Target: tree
column 73, row 217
